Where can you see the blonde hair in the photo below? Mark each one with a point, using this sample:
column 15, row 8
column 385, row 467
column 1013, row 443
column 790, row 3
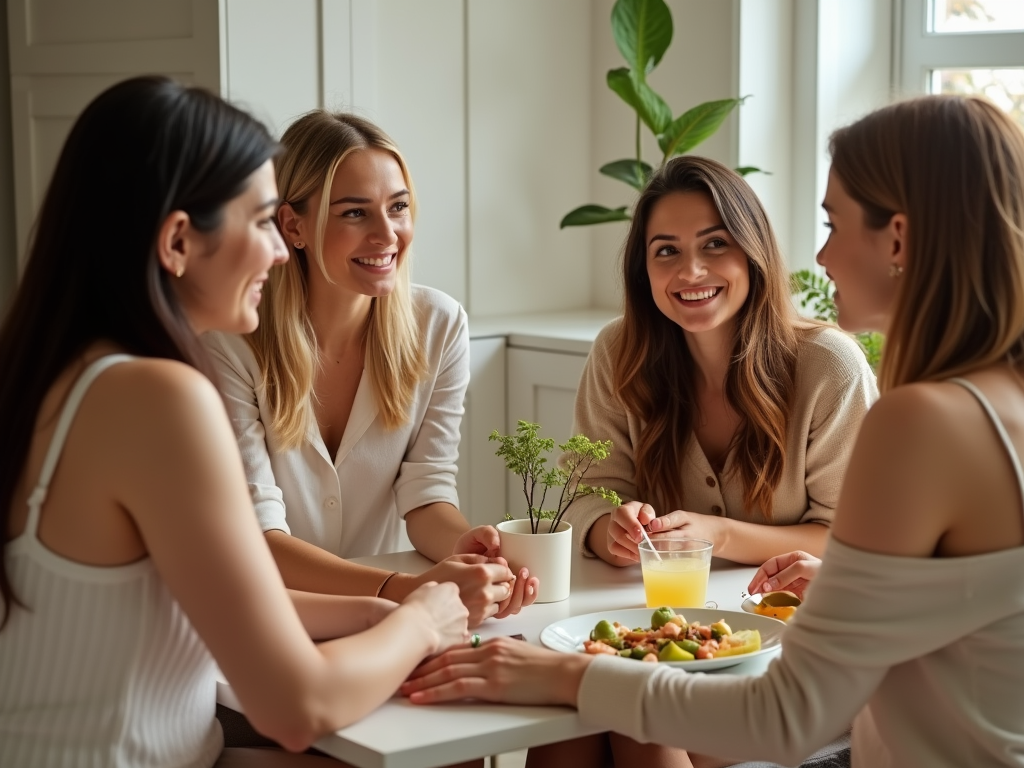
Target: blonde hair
column 954, row 166
column 285, row 343
column 654, row 371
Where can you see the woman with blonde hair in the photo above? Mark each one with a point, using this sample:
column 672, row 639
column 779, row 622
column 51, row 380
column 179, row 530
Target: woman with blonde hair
column 347, row 400
column 914, row 624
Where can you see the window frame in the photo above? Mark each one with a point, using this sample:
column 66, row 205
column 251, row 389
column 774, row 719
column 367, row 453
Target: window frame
column 921, row 51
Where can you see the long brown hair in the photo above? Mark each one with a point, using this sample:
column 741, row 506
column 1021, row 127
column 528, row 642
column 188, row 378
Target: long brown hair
column 954, row 165
column 285, row 343
column 143, row 148
column 654, row 371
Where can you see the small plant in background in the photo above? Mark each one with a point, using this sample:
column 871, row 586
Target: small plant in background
column 643, row 30
column 524, row 454
column 815, row 293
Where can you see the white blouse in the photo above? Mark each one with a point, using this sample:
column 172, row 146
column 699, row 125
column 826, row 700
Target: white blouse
column 353, row 506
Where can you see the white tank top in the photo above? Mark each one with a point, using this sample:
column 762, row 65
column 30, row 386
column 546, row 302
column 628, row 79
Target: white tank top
column 102, row 667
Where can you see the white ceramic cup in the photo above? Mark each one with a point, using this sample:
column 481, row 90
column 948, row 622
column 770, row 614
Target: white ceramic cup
column 548, row 556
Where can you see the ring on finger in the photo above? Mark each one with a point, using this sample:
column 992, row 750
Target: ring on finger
column 474, row 641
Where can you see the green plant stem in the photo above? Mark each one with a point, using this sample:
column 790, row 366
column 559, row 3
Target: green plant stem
column 639, row 158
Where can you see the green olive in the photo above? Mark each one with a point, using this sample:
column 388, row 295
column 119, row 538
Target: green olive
column 661, row 617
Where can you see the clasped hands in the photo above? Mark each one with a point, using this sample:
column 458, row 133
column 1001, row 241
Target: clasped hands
column 487, row 586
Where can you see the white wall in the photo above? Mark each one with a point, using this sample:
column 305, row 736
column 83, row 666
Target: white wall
column 700, row 65
column 528, row 102
column 421, row 103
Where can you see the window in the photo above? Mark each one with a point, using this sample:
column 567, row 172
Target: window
column 964, row 46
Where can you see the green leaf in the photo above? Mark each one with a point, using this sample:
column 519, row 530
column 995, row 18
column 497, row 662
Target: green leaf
column 642, row 30
column 746, row 170
column 694, row 126
column 630, row 171
column 593, row 214
column 640, row 96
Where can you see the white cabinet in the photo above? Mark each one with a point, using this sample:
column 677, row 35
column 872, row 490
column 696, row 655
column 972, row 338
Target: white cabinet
column 542, row 389
column 482, row 476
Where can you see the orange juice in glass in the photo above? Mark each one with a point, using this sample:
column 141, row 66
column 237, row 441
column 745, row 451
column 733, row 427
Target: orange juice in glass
column 676, row 572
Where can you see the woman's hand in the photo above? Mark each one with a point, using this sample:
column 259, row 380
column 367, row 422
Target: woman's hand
column 692, row 525
column 524, row 592
column 792, row 571
column 482, row 540
column 501, row 669
column 484, row 583
column 624, row 529
column 443, row 613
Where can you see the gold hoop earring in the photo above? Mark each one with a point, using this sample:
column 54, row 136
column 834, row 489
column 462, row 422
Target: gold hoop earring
column 895, row 270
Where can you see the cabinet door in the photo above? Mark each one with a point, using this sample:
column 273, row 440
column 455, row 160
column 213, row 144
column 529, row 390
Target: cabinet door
column 482, row 476
column 542, row 389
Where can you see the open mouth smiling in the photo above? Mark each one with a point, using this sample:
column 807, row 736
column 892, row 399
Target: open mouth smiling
column 698, row 295
column 376, row 261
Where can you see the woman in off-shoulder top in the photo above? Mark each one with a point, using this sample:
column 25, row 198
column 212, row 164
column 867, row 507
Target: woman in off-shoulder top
column 914, row 626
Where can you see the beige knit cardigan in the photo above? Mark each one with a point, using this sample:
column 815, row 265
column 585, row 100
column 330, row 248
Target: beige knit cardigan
column 834, row 389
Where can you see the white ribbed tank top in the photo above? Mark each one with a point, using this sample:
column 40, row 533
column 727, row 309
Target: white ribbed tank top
column 103, row 667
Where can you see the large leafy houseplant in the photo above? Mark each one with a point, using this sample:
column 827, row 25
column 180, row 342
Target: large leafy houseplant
column 643, row 31
column 525, row 455
column 815, row 293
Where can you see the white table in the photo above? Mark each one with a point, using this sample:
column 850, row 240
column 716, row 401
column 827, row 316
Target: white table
column 400, row 735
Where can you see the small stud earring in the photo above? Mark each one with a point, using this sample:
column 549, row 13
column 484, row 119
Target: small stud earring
column 180, row 272
column 299, row 245
column 895, row 270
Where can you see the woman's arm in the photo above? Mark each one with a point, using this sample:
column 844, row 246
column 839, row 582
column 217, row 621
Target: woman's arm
column 326, row 617
column 181, row 480
column 484, row 584
column 434, row 530
column 600, row 415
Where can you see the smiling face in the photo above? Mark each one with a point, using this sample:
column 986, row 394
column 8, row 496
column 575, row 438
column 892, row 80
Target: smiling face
column 699, row 275
column 369, row 225
column 858, row 260
column 222, row 282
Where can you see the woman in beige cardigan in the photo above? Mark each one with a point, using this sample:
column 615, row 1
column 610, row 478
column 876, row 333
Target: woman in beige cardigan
column 914, row 625
column 732, row 419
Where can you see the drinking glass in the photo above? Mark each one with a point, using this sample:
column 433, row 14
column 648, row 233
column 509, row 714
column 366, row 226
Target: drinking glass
column 675, row 571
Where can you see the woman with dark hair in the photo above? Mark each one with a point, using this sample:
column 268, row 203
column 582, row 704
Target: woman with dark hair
column 132, row 560
column 914, row 624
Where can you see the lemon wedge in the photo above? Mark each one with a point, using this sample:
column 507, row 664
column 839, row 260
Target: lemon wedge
column 739, row 642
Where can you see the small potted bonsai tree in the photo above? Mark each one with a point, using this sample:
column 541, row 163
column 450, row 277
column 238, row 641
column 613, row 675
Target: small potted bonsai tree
column 543, row 540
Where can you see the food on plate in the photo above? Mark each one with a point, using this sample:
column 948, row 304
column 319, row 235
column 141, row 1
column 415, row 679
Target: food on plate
column 778, row 605
column 671, row 638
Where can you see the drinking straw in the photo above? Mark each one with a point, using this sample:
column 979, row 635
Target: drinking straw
column 649, row 542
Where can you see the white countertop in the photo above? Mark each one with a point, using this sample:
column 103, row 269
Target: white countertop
column 573, row 331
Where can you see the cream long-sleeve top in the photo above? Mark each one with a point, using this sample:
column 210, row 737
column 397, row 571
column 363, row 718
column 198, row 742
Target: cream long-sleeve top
column 353, row 505
column 925, row 655
column 834, row 387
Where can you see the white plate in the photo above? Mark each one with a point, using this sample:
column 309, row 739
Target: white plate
column 568, row 635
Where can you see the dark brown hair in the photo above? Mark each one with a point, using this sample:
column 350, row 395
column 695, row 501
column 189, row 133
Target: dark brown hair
column 142, row 149
column 654, row 371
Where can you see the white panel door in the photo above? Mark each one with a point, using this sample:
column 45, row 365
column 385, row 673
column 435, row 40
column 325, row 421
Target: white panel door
column 65, row 52
column 482, row 477
column 542, row 389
